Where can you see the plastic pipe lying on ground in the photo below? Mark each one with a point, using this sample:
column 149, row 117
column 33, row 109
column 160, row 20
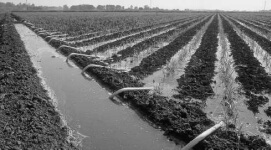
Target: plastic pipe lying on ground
column 55, row 40
column 38, row 29
column 66, row 46
column 130, row 89
column 202, row 136
column 78, row 54
column 56, row 35
column 94, row 65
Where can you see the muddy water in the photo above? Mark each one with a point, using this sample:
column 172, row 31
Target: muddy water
column 131, row 62
column 264, row 58
column 86, row 107
column 226, row 80
column 165, row 78
column 245, row 119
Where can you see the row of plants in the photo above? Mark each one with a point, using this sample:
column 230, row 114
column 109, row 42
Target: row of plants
column 119, row 34
column 263, row 42
column 253, row 18
column 28, row 118
column 263, row 19
column 160, row 57
column 256, row 27
column 141, row 46
column 78, row 23
column 85, row 37
column 260, row 23
column 133, row 38
column 251, row 74
column 196, row 82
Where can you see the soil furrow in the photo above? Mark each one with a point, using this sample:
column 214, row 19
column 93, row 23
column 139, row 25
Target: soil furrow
column 160, row 57
column 152, row 43
column 133, row 38
column 166, row 78
column 196, row 82
column 251, row 74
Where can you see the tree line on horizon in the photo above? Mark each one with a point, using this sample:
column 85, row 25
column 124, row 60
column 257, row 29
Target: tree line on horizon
column 84, row 7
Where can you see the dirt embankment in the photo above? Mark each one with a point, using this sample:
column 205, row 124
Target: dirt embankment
column 28, row 119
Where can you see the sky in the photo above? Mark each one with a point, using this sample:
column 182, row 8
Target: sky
column 250, row 5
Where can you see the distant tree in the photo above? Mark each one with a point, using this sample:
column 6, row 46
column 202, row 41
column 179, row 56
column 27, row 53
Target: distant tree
column 146, row 7
column 74, row 8
column 140, row 8
column 82, row 7
column 110, row 7
column 101, row 7
column 131, row 7
column 156, row 8
column 135, row 8
column 88, row 7
column 118, row 7
column 65, row 8
column 8, row 4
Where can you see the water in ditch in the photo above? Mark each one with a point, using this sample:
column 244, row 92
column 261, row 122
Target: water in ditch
column 86, row 107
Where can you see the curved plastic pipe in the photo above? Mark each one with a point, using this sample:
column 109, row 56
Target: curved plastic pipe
column 42, row 33
column 202, row 136
column 130, row 89
column 78, row 54
column 63, row 46
column 94, row 65
column 54, row 36
column 38, row 29
column 55, row 40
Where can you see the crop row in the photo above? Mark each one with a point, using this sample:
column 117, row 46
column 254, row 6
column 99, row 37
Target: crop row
column 259, row 28
column 77, row 23
column 116, row 35
column 251, row 74
column 263, row 42
column 87, row 35
column 122, row 33
column 135, row 37
column 160, row 57
column 260, row 23
column 196, row 82
column 253, row 20
column 264, row 19
column 137, row 48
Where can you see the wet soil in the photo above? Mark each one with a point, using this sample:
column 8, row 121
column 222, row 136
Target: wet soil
column 28, row 119
column 159, row 58
column 252, row 75
column 166, row 77
column 196, row 82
